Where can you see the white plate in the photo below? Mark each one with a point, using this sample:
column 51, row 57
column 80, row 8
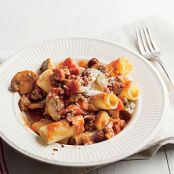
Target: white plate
column 134, row 137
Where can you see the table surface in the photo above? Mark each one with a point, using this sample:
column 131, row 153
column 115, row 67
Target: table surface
column 28, row 21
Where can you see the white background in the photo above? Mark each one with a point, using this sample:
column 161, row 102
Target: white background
column 27, row 21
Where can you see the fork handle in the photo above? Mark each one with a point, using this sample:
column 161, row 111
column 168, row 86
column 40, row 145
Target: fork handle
column 166, row 72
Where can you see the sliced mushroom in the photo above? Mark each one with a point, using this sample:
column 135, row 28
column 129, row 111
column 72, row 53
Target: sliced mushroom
column 53, row 106
column 100, row 83
column 93, row 62
column 37, row 105
column 47, row 64
column 23, row 82
column 24, row 102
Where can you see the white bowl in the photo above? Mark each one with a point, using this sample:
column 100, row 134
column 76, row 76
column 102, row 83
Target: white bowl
column 132, row 139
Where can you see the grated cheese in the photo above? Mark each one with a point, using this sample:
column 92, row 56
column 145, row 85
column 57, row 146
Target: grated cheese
column 93, row 74
column 111, row 81
column 90, row 92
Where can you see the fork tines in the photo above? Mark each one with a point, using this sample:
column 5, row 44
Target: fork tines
column 145, row 41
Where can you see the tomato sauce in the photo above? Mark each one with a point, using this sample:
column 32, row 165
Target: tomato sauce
column 34, row 115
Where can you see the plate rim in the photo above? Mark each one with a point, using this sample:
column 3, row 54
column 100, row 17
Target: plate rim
column 100, row 162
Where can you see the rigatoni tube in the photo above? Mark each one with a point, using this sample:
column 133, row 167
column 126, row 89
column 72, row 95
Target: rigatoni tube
column 105, row 101
column 37, row 125
column 56, row 131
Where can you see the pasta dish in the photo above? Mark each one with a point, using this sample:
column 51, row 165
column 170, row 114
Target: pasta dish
column 77, row 102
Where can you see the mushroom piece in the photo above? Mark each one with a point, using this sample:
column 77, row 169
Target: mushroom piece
column 100, row 83
column 93, row 62
column 24, row 102
column 23, row 82
column 47, row 64
column 37, row 105
column 53, row 106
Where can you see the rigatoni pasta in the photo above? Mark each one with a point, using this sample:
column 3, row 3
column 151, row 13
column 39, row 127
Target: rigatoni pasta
column 102, row 119
column 130, row 90
column 56, row 131
column 104, row 101
column 77, row 103
column 37, row 125
column 44, row 80
column 84, row 138
column 119, row 66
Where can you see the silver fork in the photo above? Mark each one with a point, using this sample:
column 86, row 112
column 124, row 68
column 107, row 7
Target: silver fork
column 149, row 49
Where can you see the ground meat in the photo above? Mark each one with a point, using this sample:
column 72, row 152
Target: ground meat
column 58, row 74
column 89, row 117
column 69, row 118
column 55, row 92
column 24, row 102
column 99, row 136
column 54, row 82
column 117, row 88
column 115, row 85
column 37, row 94
column 89, row 125
column 72, row 87
column 118, row 125
column 116, row 128
column 73, row 77
column 80, row 100
column 73, row 110
column 108, row 130
column 76, row 98
column 83, row 103
column 59, row 104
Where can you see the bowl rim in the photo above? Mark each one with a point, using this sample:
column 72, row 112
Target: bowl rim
column 101, row 162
